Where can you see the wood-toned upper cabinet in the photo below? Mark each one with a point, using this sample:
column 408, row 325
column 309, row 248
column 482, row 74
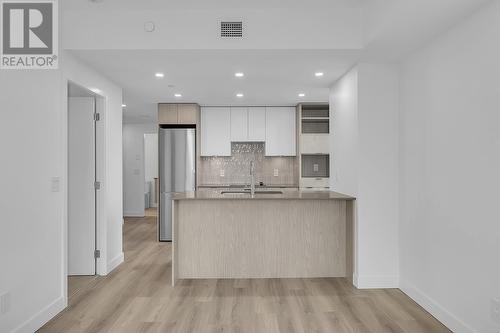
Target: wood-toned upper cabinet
column 171, row 114
column 280, row 131
column 215, row 131
column 187, row 113
column 167, row 114
column 239, row 124
column 256, row 124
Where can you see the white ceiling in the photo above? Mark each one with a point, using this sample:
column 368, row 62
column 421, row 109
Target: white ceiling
column 278, row 63
column 212, row 4
column 272, row 77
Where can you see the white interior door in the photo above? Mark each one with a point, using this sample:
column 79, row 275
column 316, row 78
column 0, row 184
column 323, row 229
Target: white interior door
column 81, row 191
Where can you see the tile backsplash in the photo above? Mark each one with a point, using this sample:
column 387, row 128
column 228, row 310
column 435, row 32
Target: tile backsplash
column 235, row 169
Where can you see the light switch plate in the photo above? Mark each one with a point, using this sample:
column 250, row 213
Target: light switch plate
column 222, row 173
column 4, row 303
column 495, row 310
column 276, row 172
column 55, row 184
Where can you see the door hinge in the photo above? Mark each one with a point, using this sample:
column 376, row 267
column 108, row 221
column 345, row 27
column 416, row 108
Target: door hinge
column 97, row 254
column 97, row 185
column 97, row 116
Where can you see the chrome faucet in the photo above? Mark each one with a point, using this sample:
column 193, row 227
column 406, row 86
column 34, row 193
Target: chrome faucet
column 252, row 178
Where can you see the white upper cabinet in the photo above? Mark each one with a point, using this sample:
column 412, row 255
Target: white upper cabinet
column 216, row 131
column 239, row 124
column 280, row 131
column 273, row 125
column 257, row 124
column 248, row 124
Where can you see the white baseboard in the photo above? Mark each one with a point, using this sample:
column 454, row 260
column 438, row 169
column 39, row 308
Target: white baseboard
column 115, row 262
column 133, row 214
column 42, row 317
column 375, row 282
column 438, row 311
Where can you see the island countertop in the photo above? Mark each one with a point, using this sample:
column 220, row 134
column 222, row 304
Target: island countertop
column 288, row 234
column 286, row 195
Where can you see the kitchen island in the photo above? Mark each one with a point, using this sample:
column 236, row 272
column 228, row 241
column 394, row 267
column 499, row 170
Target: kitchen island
column 289, row 234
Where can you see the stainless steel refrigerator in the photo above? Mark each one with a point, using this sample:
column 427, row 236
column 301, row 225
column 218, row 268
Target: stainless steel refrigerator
column 177, row 157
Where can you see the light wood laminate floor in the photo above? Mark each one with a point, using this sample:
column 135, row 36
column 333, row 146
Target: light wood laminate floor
column 138, row 297
column 77, row 284
column 151, row 212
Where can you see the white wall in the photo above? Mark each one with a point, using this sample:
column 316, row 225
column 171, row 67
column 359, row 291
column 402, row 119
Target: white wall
column 364, row 129
column 151, row 163
column 33, row 222
column 344, row 129
column 378, row 176
column 133, row 167
column 450, row 180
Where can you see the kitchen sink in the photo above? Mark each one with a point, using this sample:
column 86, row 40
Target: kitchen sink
column 242, row 192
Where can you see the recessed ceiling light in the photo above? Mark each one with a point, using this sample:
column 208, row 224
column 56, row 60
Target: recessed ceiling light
column 177, row 95
column 319, row 74
column 239, row 74
column 159, row 75
column 239, row 95
column 124, row 105
column 302, row 95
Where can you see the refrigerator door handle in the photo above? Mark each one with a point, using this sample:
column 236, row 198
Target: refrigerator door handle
column 165, row 229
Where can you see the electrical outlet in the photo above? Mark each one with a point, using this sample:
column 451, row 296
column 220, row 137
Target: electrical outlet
column 4, row 303
column 495, row 310
column 276, row 172
column 55, row 184
column 222, row 173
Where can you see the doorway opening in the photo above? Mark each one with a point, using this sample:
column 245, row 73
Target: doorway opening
column 84, row 146
column 151, row 183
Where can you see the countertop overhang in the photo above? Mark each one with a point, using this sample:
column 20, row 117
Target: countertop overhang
column 241, row 186
column 286, row 195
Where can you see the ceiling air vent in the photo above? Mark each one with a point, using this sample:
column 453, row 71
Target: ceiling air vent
column 231, row 29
